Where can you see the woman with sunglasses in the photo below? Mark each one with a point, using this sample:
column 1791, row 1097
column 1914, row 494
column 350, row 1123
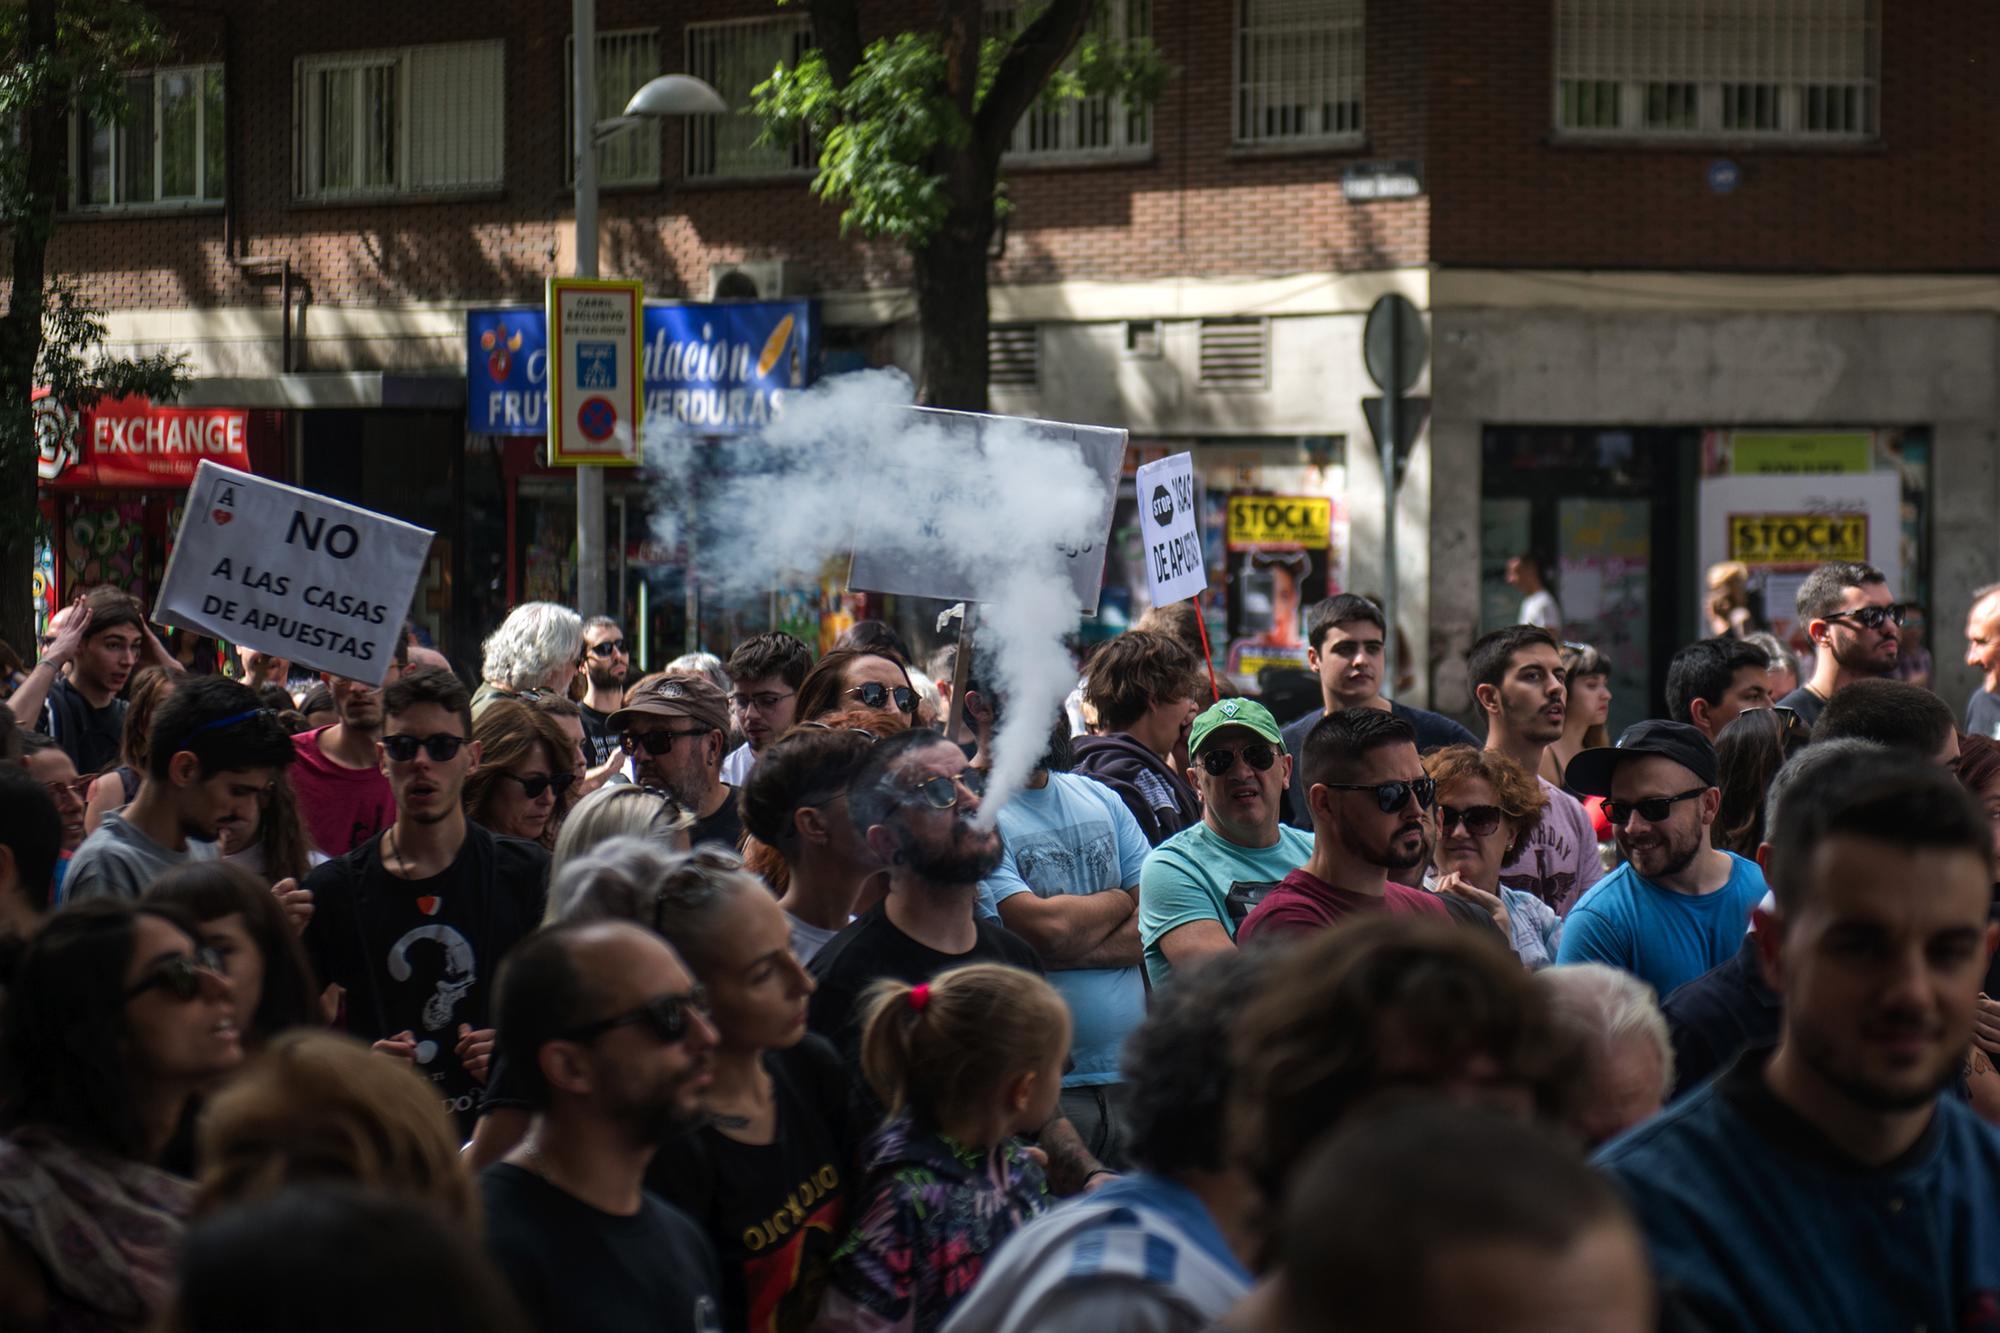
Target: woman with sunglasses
column 1487, row 805
column 242, row 923
column 520, row 788
column 116, row 1017
column 846, row 680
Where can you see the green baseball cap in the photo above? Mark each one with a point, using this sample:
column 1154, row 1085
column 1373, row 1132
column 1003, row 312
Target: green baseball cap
column 1245, row 713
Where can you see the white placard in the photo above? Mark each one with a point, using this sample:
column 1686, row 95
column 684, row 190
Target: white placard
column 291, row 573
column 1170, row 525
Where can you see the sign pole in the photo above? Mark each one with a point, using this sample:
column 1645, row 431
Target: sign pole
column 961, row 668
column 1392, row 402
column 1207, row 653
column 589, row 477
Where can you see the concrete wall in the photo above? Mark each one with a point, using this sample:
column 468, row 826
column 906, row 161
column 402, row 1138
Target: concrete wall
column 1770, row 368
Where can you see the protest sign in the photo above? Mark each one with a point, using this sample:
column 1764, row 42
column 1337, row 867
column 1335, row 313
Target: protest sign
column 939, row 569
column 321, row 583
column 1170, row 526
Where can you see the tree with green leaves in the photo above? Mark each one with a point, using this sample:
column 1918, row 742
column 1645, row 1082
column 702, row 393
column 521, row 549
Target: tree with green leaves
column 57, row 57
column 910, row 126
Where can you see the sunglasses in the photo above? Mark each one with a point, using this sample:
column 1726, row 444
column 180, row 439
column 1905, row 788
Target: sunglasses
column 652, row 742
column 942, row 793
column 1392, row 796
column 1480, row 821
column 1221, row 759
column 1873, row 617
column 442, row 747
column 533, row 787
column 181, row 975
column 1653, row 809
column 667, row 1017
column 763, row 703
column 610, row 648
column 877, row 695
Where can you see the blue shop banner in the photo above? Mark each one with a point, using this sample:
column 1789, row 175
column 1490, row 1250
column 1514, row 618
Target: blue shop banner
column 724, row 369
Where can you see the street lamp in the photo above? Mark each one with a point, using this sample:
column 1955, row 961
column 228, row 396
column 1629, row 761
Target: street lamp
column 668, row 95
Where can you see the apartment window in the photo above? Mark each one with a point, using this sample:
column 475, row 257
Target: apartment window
column 416, row 120
column 1298, row 71
column 1084, row 127
column 168, row 151
column 1802, row 70
column 734, row 57
column 625, row 62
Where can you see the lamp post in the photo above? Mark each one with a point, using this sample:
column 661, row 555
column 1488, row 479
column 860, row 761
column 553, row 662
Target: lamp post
column 668, row 95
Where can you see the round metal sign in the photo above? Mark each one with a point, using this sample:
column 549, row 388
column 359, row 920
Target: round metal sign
column 1394, row 325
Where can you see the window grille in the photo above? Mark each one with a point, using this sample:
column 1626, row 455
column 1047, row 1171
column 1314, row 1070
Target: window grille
column 626, row 62
column 1235, row 354
column 169, row 151
column 1804, row 70
column 734, row 57
column 1299, row 71
column 1099, row 126
column 1013, row 356
column 417, row 120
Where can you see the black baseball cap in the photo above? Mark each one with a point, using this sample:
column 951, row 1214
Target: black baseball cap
column 1590, row 772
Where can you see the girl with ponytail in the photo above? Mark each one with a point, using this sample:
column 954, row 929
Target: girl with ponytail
column 964, row 1065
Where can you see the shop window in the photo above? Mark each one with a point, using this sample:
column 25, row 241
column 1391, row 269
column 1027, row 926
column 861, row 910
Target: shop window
column 1235, row 354
column 167, row 151
column 1779, row 69
column 419, row 120
column 1080, row 127
column 1299, row 71
column 734, row 57
column 1014, row 356
column 626, row 61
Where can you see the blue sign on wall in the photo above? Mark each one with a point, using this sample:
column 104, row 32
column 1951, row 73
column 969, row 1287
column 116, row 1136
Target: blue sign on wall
column 721, row 369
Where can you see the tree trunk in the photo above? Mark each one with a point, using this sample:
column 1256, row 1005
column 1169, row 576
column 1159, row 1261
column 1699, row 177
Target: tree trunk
column 951, row 311
column 21, row 342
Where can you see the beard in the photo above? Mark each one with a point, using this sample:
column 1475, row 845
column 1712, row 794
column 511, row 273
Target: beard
column 1864, row 658
column 1060, row 757
column 603, row 677
column 1675, row 850
column 661, row 1113
column 1389, row 853
column 954, row 862
column 1823, row 1054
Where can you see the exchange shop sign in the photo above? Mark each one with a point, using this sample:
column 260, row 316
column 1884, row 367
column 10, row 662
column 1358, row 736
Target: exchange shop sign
column 1798, row 539
column 129, row 442
column 727, row 368
column 291, row 573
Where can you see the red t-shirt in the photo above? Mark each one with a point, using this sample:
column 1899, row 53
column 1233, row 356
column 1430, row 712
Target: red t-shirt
column 341, row 806
column 1303, row 903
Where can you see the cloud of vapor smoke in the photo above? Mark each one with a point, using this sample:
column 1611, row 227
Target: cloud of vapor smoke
column 851, row 468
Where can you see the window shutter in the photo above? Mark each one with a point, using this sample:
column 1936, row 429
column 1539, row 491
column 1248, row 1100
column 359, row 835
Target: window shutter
column 1235, row 354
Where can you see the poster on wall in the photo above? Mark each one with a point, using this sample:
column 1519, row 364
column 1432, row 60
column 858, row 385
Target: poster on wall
column 1278, row 550
column 1780, row 526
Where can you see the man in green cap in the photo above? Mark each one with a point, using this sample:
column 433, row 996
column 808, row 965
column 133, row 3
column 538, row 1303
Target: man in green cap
column 1198, row 885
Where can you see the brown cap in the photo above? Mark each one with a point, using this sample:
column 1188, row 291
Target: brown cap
column 693, row 697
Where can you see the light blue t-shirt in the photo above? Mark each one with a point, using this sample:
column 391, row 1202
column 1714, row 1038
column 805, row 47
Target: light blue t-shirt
column 1662, row 937
column 1076, row 836
column 1188, row 878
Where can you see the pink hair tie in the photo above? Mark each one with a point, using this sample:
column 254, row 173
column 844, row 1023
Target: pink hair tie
column 919, row 997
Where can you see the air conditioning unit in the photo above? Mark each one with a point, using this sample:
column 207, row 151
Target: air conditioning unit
column 755, row 280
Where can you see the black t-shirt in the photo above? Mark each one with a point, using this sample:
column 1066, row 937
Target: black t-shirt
column 420, row 955
column 579, row 1270
column 724, row 826
column 597, row 736
column 1806, row 704
column 775, row 1212
column 872, row 949
column 91, row 737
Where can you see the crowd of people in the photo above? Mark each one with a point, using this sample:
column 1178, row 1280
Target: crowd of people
column 721, row 998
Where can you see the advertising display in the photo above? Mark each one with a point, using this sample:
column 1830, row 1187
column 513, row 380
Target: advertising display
column 1279, row 548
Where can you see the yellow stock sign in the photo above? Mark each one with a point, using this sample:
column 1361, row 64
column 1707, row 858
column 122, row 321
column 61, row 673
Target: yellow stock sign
column 1797, row 539
column 1266, row 521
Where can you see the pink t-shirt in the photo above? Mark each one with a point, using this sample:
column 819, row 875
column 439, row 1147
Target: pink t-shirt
column 341, row 806
column 1303, row 903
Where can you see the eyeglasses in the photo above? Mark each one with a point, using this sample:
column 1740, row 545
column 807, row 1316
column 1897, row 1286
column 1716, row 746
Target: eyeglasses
column 763, row 703
column 533, row 787
column 1653, row 809
column 877, row 695
column 1873, row 617
column 181, row 975
column 609, row 648
column 77, row 789
column 667, row 1017
column 862, row 732
column 1221, row 759
column 1392, row 796
column 442, row 747
column 1791, row 725
column 653, row 742
column 1481, row 821
column 942, row 793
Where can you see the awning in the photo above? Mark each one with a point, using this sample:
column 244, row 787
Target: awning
column 329, row 389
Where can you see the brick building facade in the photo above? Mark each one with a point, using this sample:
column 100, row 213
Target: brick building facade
column 1633, row 243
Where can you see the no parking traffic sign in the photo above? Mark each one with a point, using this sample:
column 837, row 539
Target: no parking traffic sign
column 594, row 363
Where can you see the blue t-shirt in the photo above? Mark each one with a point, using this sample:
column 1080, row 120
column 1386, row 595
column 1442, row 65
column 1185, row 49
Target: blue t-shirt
column 1199, row 875
column 1755, row 1220
column 1075, row 836
column 1662, row 937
